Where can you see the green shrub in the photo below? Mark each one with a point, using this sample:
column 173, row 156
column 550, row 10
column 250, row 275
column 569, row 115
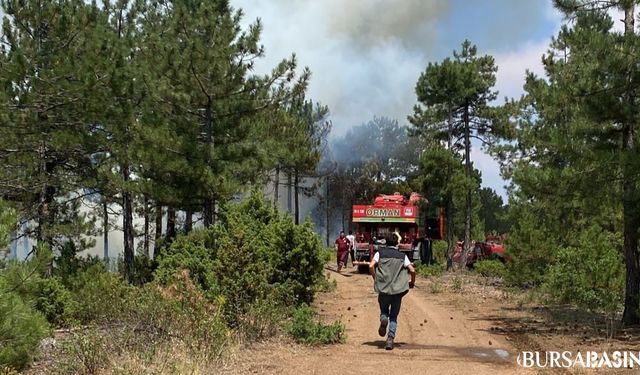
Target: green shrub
column 430, row 270
column 532, row 247
column 23, row 278
column 590, row 274
column 149, row 319
column 144, row 268
column 328, row 255
column 55, row 302
column 263, row 320
column 190, row 256
column 439, row 250
column 251, row 254
column 436, row 287
column 21, row 329
column 490, row 268
column 183, row 311
column 101, row 295
column 302, row 262
column 21, row 325
column 86, row 352
column 325, row 285
column 304, row 328
column 458, row 283
column 67, row 264
column 47, row 294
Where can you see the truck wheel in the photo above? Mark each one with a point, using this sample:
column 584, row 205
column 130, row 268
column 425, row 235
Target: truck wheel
column 363, row 268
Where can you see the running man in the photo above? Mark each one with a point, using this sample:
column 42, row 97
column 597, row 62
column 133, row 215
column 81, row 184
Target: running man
column 390, row 270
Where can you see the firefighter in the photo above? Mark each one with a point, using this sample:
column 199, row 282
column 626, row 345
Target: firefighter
column 342, row 250
column 390, row 270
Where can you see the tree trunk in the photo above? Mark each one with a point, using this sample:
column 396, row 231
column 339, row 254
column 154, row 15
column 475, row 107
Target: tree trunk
column 467, row 200
column 188, row 221
column 127, row 228
column 451, row 245
column 158, row 228
column 632, row 289
column 351, row 203
column 276, row 188
column 296, row 192
column 46, row 215
column 208, row 212
column 213, row 211
column 342, row 207
column 42, row 204
column 208, row 200
column 289, row 193
column 327, row 210
column 171, row 223
column 105, row 229
column 631, row 314
column 451, row 241
column 147, row 236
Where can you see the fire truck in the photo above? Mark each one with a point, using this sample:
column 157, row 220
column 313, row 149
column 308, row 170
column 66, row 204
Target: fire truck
column 411, row 217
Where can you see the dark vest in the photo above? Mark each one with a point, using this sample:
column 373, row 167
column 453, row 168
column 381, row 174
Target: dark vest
column 391, row 276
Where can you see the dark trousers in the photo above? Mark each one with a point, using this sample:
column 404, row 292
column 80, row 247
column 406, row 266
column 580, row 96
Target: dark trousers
column 426, row 252
column 390, row 307
column 353, row 255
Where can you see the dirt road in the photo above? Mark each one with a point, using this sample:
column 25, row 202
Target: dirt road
column 432, row 338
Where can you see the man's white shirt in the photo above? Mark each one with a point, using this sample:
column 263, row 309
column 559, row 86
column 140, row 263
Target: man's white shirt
column 352, row 239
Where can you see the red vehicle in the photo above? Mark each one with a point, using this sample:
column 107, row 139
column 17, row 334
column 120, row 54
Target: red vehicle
column 415, row 221
column 491, row 248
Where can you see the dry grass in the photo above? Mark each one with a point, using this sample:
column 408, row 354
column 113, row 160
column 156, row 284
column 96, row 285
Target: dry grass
column 168, row 359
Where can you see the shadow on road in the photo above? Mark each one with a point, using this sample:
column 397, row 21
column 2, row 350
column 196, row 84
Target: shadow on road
column 343, row 273
column 478, row 354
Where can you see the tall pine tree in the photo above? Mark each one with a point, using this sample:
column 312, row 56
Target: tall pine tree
column 46, row 127
column 453, row 98
column 577, row 145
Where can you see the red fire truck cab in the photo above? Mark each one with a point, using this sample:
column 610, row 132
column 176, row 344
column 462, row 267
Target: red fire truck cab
column 412, row 217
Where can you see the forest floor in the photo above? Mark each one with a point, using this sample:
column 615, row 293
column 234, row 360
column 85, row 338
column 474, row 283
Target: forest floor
column 451, row 324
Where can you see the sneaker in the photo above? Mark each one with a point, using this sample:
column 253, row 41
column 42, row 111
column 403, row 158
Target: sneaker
column 382, row 331
column 389, row 344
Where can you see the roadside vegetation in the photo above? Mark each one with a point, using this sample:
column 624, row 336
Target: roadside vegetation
column 249, row 277
column 149, row 127
column 587, row 275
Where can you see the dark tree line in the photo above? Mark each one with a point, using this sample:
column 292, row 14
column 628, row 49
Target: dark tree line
column 151, row 105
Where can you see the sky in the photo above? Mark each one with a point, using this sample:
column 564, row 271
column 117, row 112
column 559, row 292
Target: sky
column 366, row 55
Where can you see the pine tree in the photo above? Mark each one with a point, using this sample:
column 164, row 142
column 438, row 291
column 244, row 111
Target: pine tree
column 493, row 211
column 577, row 149
column 210, row 140
column 7, row 224
column 46, row 127
column 118, row 110
column 453, row 99
column 302, row 139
